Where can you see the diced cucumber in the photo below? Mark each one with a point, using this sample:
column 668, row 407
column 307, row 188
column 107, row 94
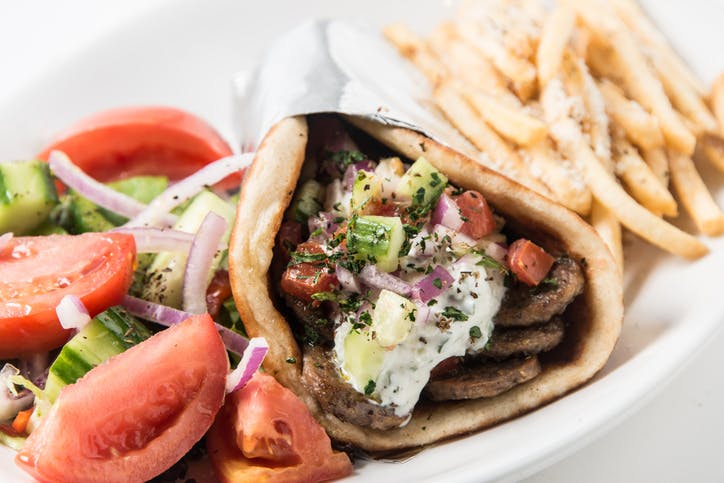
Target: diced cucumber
column 49, row 228
column 422, row 183
column 363, row 358
column 307, row 201
column 27, row 195
column 366, row 187
column 86, row 216
column 392, row 319
column 378, row 239
column 164, row 277
column 109, row 333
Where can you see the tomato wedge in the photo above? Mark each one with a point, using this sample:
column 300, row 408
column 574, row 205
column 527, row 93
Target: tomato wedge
column 476, row 213
column 37, row 272
column 529, row 262
column 266, row 433
column 133, row 417
column 153, row 140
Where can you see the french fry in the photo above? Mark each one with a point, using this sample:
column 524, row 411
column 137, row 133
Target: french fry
column 640, row 180
column 641, row 83
column 569, row 138
column 520, row 72
column 717, row 101
column 637, row 21
column 560, row 176
column 512, row 123
column 500, row 156
column 713, row 148
column 694, row 195
column 609, row 229
column 640, row 127
column 658, row 161
column 683, row 96
column 413, row 48
column 467, row 64
column 580, row 42
column 557, row 30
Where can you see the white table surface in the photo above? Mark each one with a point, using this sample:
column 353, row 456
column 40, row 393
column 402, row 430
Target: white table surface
column 677, row 436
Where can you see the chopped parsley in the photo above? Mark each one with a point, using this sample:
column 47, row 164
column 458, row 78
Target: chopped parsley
column 291, row 360
column 475, row 332
column 454, row 314
column 317, row 232
column 345, row 158
column 370, row 387
column 301, row 257
column 437, row 283
column 489, row 262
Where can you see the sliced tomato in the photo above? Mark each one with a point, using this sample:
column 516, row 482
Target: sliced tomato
column 129, row 141
column 305, row 279
column 134, row 416
column 476, row 213
column 37, row 272
column 265, row 433
column 529, row 262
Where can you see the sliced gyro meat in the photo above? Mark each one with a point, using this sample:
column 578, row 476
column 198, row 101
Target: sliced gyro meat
column 483, row 379
column 524, row 341
column 525, row 306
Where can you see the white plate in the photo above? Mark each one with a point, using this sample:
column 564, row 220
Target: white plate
column 184, row 53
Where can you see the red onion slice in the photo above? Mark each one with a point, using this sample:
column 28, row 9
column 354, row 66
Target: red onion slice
column 249, row 364
column 197, row 274
column 373, row 277
column 347, row 279
column 447, row 213
column 153, row 240
column 72, row 176
column 351, row 172
column 11, row 400
column 71, row 312
column 168, row 316
column 185, row 189
column 435, row 283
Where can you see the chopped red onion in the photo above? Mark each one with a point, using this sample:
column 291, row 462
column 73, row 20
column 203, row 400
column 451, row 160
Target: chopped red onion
column 71, row 312
column 185, row 189
column 249, row 364
column 497, row 251
column 351, row 172
column 198, row 267
column 347, row 279
column 435, row 283
column 168, row 316
column 373, row 277
column 447, row 213
column 323, row 220
column 153, row 240
column 422, row 244
column 423, row 311
column 456, row 238
column 72, row 176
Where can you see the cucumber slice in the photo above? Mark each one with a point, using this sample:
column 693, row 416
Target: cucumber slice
column 86, row 216
column 363, row 358
column 422, row 183
column 27, row 195
column 164, row 277
column 392, row 319
column 366, row 187
column 378, row 239
column 307, row 201
column 109, row 333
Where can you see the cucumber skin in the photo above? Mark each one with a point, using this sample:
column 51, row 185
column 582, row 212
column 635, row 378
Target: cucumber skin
column 377, row 238
column 27, row 195
column 108, row 334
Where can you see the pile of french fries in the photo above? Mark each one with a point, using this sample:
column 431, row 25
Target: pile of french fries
column 585, row 103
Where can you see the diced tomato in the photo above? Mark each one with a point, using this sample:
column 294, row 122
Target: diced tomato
column 129, row 141
column 302, row 280
column 20, row 423
column 529, row 262
column 264, row 433
column 217, row 292
column 131, row 418
column 477, row 215
column 37, row 272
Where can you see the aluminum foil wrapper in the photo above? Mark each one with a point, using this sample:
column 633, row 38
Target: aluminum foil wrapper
column 336, row 66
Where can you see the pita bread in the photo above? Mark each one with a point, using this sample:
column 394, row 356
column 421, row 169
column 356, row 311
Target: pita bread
column 595, row 317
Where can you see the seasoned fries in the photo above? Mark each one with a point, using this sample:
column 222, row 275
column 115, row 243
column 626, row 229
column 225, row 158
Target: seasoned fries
column 584, row 102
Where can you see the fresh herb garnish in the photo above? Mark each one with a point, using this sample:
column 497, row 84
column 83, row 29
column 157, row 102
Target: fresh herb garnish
column 365, row 318
column 316, row 232
column 454, row 314
column 475, row 332
column 370, row 387
column 437, row 283
column 345, row 158
column 489, row 262
column 324, row 296
column 301, row 257
column 291, row 360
